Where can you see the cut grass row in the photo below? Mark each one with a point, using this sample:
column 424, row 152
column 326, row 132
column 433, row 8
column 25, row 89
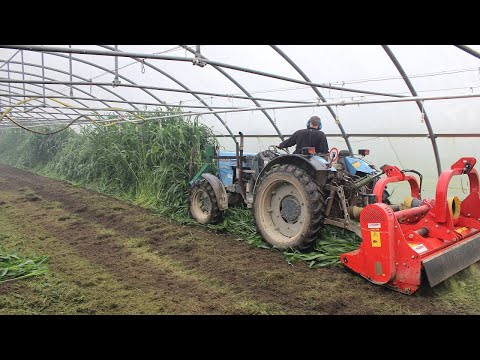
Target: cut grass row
column 150, row 165
column 14, row 267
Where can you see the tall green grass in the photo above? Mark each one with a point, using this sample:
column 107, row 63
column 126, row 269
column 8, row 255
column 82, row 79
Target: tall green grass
column 30, row 151
column 149, row 164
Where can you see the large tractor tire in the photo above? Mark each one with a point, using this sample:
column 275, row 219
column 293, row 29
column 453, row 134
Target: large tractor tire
column 202, row 203
column 289, row 208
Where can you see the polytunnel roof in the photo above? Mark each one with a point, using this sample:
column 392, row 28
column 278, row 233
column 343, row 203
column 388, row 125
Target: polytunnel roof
column 418, row 92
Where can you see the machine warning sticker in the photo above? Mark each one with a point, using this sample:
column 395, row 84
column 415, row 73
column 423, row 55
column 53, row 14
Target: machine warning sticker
column 356, row 164
column 375, row 237
column 374, row 225
column 461, row 230
column 418, row 248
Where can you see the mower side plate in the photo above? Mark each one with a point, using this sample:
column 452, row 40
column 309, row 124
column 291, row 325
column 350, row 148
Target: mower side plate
column 452, row 260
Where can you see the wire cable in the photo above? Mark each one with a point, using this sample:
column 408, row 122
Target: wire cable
column 5, row 114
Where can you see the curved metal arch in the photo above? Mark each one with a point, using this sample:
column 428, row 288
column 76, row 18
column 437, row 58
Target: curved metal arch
column 37, row 100
column 37, row 118
column 74, row 87
column 419, row 104
column 145, row 90
column 184, row 59
column 20, row 95
column 182, row 85
column 281, row 136
column 52, row 90
column 33, row 120
column 11, row 57
column 94, row 65
column 111, row 72
column 469, row 50
column 302, row 74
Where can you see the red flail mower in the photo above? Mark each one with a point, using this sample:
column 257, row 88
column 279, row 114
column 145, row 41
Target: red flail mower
column 429, row 238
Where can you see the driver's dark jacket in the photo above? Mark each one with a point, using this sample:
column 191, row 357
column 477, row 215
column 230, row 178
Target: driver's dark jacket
column 307, row 138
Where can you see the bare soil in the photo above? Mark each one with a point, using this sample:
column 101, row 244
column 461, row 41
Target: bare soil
column 108, row 256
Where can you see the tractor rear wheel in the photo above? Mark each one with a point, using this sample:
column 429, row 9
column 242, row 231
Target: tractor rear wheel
column 289, row 208
column 202, row 203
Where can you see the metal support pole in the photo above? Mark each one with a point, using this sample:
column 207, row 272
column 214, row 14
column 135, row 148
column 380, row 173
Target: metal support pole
column 186, row 88
column 34, row 92
column 8, row 73
column 419, row 104
column 23, row 73
column 469, row 50
column 197, row 60
column 116, row 81
column 76, row 88
column 184, row 59
column 334, row 115
column 11, row 57
column 341, row 103
column 309, row 104
column 237, row 84
column 123, row 102
column 43, row 78
column 71, row 72
column 133, row 85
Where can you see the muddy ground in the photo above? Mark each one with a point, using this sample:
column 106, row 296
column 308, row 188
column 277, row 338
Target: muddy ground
column 110, row 257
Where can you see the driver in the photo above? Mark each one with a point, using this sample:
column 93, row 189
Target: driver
column 312, row 136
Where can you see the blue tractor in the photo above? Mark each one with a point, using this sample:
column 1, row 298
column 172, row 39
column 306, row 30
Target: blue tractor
column 292, row 196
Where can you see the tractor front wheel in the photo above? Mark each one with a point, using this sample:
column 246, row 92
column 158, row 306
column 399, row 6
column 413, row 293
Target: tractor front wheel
column 289, row 208
column 202, row 203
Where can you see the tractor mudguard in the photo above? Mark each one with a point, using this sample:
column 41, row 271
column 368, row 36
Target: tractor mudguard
column 311, row 165
column 218, row 189
column 355, row 165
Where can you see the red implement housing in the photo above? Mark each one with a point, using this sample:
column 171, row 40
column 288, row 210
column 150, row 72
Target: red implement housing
column 435, row 236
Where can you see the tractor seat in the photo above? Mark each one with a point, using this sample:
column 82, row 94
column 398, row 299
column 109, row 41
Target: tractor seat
column 344, row 153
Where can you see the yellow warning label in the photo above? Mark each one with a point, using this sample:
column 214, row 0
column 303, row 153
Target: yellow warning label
column 418, row 248
column 461, row 230
column 356, row 164
column 375, row 237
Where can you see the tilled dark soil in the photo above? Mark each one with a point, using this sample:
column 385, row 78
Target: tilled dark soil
column 183, row 269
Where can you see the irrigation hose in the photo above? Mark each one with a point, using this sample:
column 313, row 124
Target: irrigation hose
column 113, row 122
column 5, row 114
column 42, row 133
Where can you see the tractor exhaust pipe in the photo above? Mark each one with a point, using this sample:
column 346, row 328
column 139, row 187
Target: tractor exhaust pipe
column 240, row 168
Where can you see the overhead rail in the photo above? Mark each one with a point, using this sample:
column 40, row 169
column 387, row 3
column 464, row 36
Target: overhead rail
column 185, row 59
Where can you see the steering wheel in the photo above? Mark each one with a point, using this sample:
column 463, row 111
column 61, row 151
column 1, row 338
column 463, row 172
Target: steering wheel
column 275, row 149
